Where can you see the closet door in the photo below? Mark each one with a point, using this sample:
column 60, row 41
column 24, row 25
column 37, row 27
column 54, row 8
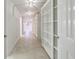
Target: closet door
column 65, row 32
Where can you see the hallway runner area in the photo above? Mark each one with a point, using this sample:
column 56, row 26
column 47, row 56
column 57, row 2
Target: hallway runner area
column 28, row 49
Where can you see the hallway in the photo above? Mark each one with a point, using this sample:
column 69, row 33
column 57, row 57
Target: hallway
column 40, row 29
column 28, row 49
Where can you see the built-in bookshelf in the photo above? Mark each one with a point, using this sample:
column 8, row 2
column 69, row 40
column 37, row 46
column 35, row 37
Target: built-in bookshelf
column 57, row 20
column 47, row 28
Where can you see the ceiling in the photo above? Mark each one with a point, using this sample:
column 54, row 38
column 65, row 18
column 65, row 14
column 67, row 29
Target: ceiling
column 28, row 5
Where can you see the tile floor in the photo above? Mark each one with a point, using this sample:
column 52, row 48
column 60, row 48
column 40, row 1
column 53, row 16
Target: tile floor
column 28, row 49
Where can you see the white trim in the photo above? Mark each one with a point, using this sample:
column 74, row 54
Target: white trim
column 45, row 4
column 21, row 27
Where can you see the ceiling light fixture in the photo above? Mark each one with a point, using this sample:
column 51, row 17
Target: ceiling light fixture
column 29, row 3
column 31, row 0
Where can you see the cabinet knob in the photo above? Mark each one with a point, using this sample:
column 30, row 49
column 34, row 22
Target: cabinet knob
column 5, row 36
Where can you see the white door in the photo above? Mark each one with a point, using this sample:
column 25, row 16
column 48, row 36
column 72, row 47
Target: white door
column 65, row 32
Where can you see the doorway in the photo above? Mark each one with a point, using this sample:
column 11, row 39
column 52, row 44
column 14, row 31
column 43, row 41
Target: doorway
column 27, row 26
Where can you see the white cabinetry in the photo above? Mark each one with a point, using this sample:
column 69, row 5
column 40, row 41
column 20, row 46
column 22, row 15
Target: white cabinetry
column 47, row 27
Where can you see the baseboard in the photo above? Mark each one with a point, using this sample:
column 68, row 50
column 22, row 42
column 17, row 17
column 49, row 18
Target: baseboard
column 46, row 52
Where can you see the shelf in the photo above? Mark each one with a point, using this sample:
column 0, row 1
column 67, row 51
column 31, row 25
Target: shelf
column 48, row 22
column 48, row 33
column 45, row 39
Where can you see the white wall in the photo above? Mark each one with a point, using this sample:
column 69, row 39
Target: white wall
column 12, row 26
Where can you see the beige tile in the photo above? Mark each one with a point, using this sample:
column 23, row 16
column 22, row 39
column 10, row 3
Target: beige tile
column 28, row 49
